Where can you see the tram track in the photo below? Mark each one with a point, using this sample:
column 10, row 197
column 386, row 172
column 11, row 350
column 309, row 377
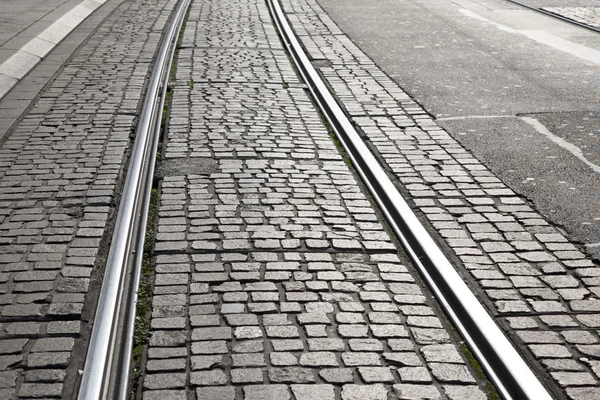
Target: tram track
column 107, row 367
column 554, row 15
column 108, row 362
column 501, row 361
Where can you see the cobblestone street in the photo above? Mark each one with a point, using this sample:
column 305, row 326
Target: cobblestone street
column 274, row 274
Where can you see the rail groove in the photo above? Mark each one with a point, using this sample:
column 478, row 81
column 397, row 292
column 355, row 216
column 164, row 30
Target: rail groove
column 557, row 16
column 503, row 364
column 108, row 362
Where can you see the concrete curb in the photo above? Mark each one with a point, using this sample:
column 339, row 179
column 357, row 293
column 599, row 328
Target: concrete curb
column 23, row 61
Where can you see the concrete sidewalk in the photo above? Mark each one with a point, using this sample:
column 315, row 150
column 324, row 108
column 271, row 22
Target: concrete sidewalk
column 25, row 42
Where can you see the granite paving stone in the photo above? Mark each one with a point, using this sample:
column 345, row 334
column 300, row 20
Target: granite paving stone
column 215, row 393
column 414, row 391
column 268, row 251
column 266, row 392
column 364, row 392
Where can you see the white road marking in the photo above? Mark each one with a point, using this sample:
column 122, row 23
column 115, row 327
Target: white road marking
column 540, row 128
column 580, row 51
column 575, row 49
column 571, row 148
column 463, row 117
column 474, row 15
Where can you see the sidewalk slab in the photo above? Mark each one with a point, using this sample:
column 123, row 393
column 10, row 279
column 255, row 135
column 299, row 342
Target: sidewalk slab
column 29, row 55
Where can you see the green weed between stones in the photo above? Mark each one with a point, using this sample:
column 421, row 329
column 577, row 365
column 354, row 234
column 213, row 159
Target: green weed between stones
column 142, row 318
column 488, row 386
column 142, row 321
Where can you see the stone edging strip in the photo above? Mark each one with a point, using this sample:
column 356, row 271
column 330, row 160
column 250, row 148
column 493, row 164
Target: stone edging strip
column 28, row 56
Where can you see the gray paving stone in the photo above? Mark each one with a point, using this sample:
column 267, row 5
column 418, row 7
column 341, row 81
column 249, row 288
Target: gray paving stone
column 210, row 347
column 364, row 392
column 331, row 344
column 48, row 360
column 246, row 375
column 365, row 345
column 53, row 344
column 318, row 359
column 248, row 360
column 249, row 346
column 353, row 331
column 166, row 365
column 561, row 364
column 592, row 350
column 389, row 331
column 287, row 344
column 8, row 379
column 204, row 362
column 208, row 378
column 452, row 373
column 565, row 379
column 410, row 392
column 376, row 374
column 361, row 358
column 213, row 333
column 291, row 375
column 464, row 392
column 165, row 381
column 550, row 350
column 168, row 338
column 282, row 331
column 215, row 393
column 165, row 395
column 414, row 375
column 266, row 392
column 41, row 390
column 309, row 392
column 12, row 346
column 441, row 353
column 283, row 359
column 336, row 375
column 576, row 393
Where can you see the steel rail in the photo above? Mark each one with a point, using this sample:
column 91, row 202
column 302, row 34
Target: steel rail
column 503, row 364
column 107, row 366
column 557, row 16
